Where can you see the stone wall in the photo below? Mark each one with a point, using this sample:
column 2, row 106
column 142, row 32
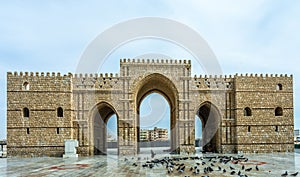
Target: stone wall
column 84, row 96
column 42, row 132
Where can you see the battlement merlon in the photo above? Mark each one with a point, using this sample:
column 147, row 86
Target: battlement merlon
column 97, row 76
column 155, row 61
column 243, row 76
column 38, row 74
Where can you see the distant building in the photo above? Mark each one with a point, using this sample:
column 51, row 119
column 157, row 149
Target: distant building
column 144, row 135
column 157, row 134
column 111, row 138
column 3, row 148
column 296, row 134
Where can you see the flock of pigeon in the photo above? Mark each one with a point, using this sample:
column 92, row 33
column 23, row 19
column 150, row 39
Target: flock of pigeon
column 203, row 166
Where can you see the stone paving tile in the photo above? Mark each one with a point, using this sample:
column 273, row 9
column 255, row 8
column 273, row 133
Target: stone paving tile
column 112, row 166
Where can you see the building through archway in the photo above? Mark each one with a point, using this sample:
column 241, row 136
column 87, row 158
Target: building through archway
column 157, row 83
column 154, row 124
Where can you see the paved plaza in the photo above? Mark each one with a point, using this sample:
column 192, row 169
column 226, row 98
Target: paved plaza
column 111, row 165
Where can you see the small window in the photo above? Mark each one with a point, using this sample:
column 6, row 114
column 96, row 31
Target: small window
column 247, row 112
column 279, row 87
column 27, row 130
column 60, row 112
column 25, row 112
column 278, row 111
column 57, row 130
column 276, row 128
column 25, row 86
column 249, row 129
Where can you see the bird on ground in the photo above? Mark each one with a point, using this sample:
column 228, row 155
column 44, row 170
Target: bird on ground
column 152, row 154
column 256, row 167
column 232, row 173
column 248, row 169
column 231, row 168
column 224, row 171
column 182, row 169
column 134, row 164
column 243, row 167
column 197, row 171
column 294, row 174
column 284, row 174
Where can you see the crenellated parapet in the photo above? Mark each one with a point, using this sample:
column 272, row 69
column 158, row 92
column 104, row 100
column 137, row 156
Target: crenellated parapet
column 241, row 80
column 38, row 74
column 38, row 81
column 96, row 81
column 219, row 82
column 264, row 75
column 154, row 61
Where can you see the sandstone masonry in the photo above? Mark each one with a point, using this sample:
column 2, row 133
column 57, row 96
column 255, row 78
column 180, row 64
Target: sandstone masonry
column 240, row 113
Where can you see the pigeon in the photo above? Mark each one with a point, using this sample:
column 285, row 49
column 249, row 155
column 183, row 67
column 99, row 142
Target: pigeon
column 197, row 171
column 182, row 169
column 294, row 174
column 152, row 154
column 232, row 173
column 248, row 169
column 243, row 167
column 256, row 167
column 134, row 164
column 224, row 171
column 231, row 168
column 284, row 174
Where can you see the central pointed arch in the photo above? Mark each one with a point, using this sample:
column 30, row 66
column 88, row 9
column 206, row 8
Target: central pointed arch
column 160, row 84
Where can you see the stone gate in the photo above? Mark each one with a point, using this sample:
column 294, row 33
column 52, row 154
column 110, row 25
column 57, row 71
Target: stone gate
column 240, row 113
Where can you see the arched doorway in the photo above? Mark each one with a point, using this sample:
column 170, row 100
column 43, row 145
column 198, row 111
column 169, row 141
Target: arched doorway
column 210, row 121
column 154, row 124
column 102, row 113
column 157, row 83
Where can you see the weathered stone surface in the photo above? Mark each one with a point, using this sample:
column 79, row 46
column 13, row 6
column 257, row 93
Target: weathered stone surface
column 88, row 101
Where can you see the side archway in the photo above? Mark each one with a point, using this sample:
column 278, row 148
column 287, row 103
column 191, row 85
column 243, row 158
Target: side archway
column 157, row 83
column 101, row 113
column 210, row 117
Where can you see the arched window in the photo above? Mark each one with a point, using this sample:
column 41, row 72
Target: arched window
column 25, row 86
column 247, row 112
column 25, row 112
column 60, row 112
column 278, row 111
column 279, row 87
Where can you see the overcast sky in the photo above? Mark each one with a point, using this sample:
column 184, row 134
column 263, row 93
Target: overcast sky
column 246, row 36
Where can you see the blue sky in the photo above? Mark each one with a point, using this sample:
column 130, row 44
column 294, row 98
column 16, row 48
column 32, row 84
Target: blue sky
column 246, row 36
